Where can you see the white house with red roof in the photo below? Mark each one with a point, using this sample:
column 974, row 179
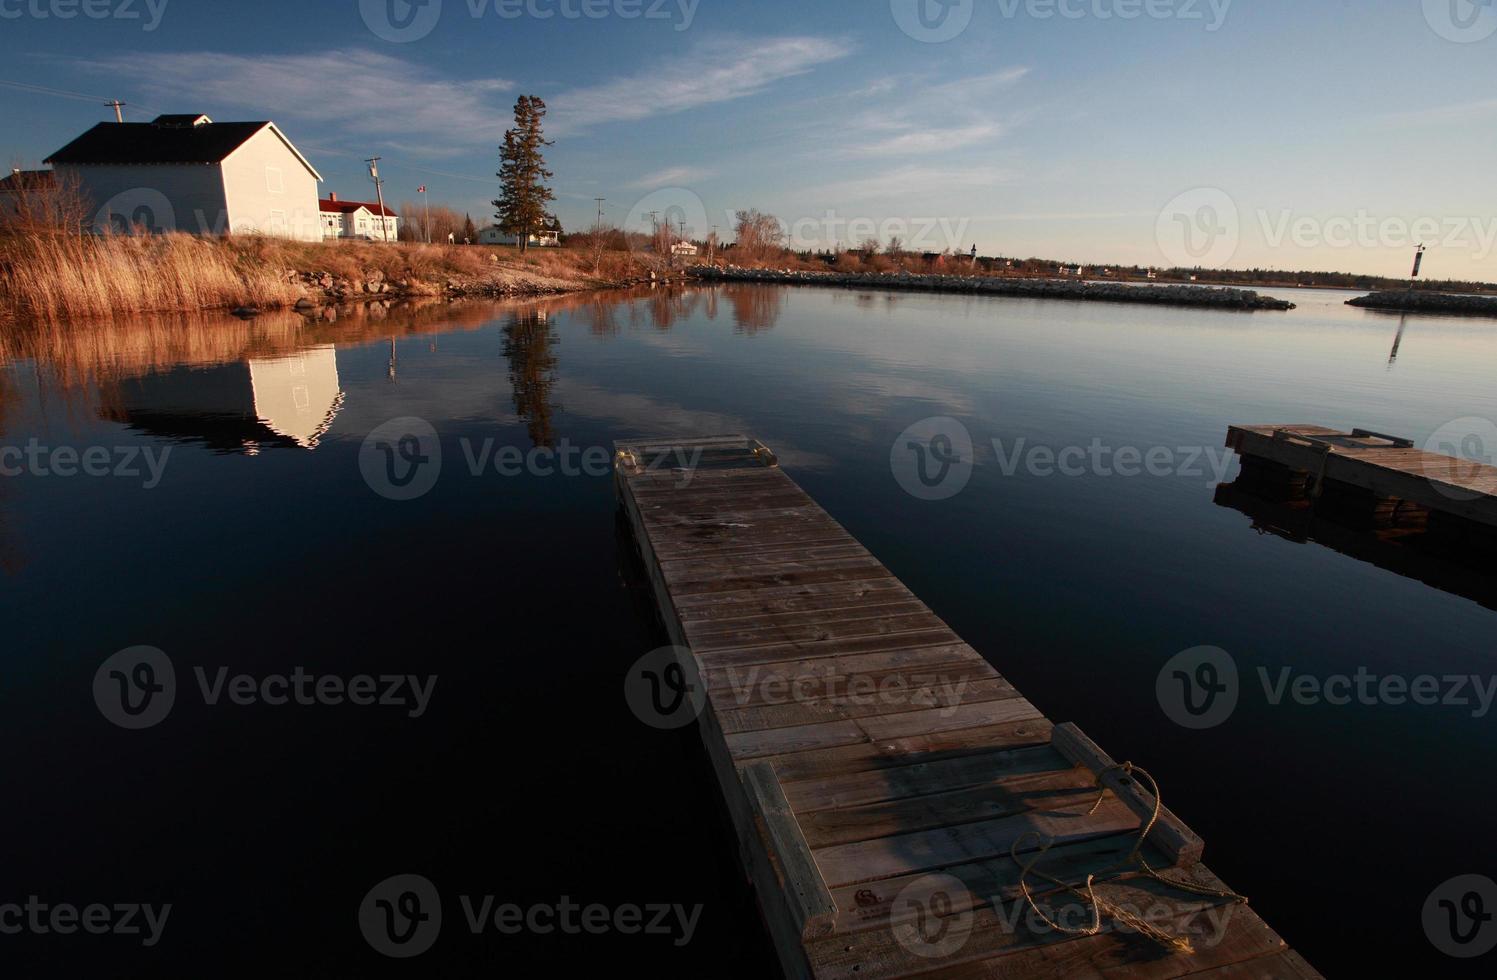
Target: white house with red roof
column 357, row 219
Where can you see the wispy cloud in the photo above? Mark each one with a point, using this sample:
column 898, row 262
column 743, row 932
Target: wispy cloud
column 715, row 71
column 902, row 182
column 920, row 118
column 360, row 93
column 670, row 176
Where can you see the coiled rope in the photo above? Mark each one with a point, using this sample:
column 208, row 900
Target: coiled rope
column 1134, row 860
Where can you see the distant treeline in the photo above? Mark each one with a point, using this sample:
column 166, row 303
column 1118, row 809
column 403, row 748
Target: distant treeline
column 940, row 262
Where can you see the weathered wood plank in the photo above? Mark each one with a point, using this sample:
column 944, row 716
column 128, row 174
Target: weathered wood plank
column 791, row 857
column 1170, row 834
column 924, row 850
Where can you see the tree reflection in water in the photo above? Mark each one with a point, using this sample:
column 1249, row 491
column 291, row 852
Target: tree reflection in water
column 530, row 348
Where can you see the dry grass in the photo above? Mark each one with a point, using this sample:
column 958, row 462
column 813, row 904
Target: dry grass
column 51, row 275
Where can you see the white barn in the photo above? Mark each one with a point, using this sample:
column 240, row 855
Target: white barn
column 189, row 173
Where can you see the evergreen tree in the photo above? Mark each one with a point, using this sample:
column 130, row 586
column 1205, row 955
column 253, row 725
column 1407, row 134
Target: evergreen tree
column 523, row 195
column 470, row 233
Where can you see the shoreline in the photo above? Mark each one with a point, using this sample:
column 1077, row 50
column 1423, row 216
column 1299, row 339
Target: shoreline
column 1209, row 297
column 1415, row 301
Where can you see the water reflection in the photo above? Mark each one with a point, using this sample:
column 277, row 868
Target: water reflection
column 288, row 401
column 530, row 348
column 756, row 308
column 1412, row 544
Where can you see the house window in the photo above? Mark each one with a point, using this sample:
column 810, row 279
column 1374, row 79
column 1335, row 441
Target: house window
column 275, row 181
column 278, row 222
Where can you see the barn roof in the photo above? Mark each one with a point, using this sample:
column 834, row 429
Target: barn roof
column 170, row 139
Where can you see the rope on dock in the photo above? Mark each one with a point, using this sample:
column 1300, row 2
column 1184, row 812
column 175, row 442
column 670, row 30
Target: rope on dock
column 1135, row 859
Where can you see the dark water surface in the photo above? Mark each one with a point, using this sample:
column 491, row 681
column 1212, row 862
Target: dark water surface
column 262, row 548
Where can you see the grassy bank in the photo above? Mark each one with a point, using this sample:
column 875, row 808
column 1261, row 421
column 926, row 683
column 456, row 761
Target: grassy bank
column 53, row 276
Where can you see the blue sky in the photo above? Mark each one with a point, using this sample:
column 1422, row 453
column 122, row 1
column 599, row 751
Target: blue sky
column 1329, row 135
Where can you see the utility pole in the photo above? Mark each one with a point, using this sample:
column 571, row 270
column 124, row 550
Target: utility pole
column 117, row 105
column 379, row 195
column 426, row 208
column 654, row 228
column 600, row 201
column 712, row 247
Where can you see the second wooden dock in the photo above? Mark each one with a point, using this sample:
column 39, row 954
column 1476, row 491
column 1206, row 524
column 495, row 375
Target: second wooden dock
column 888, row 787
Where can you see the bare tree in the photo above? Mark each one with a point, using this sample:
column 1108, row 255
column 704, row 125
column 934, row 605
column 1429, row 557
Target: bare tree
column 46, row 201
column 759, row 235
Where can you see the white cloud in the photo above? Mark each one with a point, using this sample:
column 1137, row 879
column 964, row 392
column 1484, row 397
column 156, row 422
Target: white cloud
column 903, row 182
column 922, row 119
column 929, row 140
column 669, row 177
column 361, row 93
column 716, row 71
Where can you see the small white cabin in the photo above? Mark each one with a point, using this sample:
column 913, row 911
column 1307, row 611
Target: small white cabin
column 494, row 235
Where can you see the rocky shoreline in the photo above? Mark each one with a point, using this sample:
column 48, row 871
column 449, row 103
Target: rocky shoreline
column 1412, row 301
column 1106, row 292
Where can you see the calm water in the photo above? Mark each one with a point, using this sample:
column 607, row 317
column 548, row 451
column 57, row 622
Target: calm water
column 262, row 548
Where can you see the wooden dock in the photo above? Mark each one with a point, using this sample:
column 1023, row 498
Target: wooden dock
column 1388, row 472
column 884, row 781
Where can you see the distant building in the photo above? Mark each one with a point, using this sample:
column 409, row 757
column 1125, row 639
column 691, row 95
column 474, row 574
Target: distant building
column 494, row 235
column 357, row 219
column 189, row 173
column 683, row 248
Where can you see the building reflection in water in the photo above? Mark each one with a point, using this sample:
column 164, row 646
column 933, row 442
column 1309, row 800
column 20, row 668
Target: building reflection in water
column 289, row 401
